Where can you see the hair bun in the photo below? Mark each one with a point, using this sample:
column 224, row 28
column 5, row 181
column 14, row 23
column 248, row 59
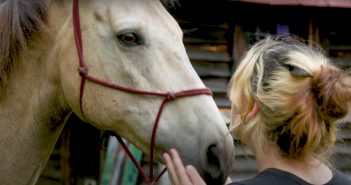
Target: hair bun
column 330, row 93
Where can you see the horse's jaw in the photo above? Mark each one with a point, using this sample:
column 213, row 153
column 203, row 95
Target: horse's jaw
column 200, row 129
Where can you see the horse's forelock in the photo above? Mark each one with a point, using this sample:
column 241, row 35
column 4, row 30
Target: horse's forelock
column 21, row 22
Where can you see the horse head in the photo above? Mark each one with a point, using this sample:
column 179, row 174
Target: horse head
column 138, row 45
column 128, row 47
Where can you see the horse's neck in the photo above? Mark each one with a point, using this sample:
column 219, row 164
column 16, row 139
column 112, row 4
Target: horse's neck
column 32, row 112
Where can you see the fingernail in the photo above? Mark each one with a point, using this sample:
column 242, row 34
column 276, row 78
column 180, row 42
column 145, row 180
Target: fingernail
column 189, row 167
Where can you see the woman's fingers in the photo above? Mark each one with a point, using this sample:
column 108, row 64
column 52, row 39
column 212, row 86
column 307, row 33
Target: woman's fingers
column 171, row 170
column 179, row 168
column 178, row 173
column 194, row 175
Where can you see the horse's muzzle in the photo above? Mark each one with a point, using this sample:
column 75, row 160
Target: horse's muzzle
column 214, row 163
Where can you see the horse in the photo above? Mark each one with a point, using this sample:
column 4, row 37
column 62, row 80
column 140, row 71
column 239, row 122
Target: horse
column 119, row 65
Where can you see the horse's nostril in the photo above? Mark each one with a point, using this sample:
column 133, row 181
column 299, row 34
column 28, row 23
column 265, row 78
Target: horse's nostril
column 214, row 174
column 210, row 180
column 212, row 156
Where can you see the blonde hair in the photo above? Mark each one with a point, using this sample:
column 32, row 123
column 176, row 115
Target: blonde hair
column 299, row 95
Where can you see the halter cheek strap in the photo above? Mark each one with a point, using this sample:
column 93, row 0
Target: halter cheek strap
column 167, row 97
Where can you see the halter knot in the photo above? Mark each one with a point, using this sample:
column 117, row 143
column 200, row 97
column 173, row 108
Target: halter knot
column 171, row 96
column 83, row 71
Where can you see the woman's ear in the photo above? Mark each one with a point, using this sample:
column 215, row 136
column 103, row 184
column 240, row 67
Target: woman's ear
column 255, row 109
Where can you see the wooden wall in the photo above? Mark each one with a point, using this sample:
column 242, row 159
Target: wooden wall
column 76, row 159
column 216, row 35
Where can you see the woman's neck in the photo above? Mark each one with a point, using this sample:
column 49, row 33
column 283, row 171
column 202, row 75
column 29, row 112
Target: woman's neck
column 312, row 170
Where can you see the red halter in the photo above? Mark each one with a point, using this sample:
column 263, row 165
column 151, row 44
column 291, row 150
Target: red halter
column 167, row 97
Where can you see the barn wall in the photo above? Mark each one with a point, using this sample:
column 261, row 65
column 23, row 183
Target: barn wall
column 216, row 35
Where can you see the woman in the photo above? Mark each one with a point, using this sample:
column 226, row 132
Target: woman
column 285, row 98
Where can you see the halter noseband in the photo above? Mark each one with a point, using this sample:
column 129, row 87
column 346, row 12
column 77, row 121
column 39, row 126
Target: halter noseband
column 167, row 97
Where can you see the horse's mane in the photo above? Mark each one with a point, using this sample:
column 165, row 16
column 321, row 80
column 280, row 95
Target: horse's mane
column 21, row 22
column 170, row 3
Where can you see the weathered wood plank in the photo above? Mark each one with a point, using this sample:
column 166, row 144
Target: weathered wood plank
column 204, row 34
column 215, row 53
column 207, row 69
column 206, row 24
column 221, row 101
column 217, row 85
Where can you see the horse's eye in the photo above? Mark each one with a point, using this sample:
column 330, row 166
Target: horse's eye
column 130, row 38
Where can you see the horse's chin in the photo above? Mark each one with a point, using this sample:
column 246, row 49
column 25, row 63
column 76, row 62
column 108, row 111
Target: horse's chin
column 211, row 180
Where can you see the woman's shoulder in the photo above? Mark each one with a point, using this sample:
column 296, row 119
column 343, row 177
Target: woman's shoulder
column 273, row 176
column 339, row 178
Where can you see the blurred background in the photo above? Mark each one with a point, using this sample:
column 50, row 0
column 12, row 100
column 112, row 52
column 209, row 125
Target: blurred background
column 216, row 34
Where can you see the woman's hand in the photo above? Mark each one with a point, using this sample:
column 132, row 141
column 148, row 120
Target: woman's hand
column 179, row 174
